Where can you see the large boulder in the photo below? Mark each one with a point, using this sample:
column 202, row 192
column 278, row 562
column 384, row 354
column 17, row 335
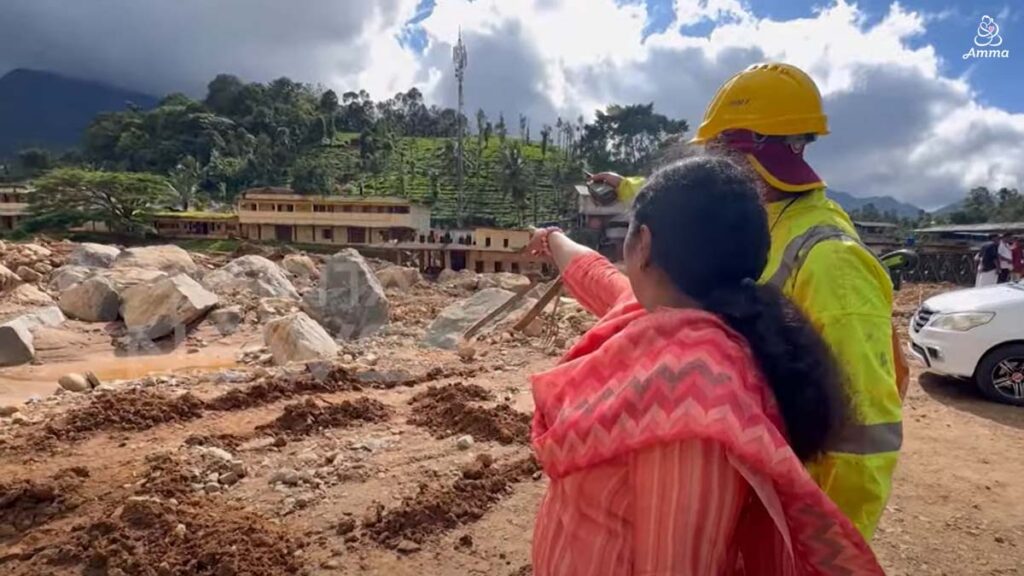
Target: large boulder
column 298, row 338
column 28, row 274
column 16, row 339
column 8, row 280
column 68, row 275
column 253, row 273
column 166, row 258
column 93, row 255
column 151, row 311
column 94, row 300
column 128, row 277
column 300, row 266
column 465, row 279
column 399, row 277
column 446, row 330
column 505, row 281
column 226, row 319
column 29, row 295
column 349, row 301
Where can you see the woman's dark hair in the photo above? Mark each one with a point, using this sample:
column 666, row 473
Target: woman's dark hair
column 709, row 234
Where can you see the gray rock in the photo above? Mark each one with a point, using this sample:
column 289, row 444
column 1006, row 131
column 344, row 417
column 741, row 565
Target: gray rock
column 67, row 276
column 505, row 281
column 151, row 311
column 28, row 295
column 407, row 547
column 465, row 279
column 74, row 383
column 285, row 476
column 399, row 277
column 464, row 442
column 16, row 339
column 28, row 275
column 94, row 300
column 350, row 301
column 219, row 454
column 43, row 268
column 226, row 319
column 8, row 279
column 296, row 338
column 128, row 277
column 253, row 273
column 300, row 266
column 446, row 330
column 93, row 255
column 270, row 308
column 167, row 258
column 20, row 419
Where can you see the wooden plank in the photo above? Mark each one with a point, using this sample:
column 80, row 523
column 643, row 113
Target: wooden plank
column 550, row 294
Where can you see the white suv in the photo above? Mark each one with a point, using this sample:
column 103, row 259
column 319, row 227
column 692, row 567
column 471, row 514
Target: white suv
column 976, row 333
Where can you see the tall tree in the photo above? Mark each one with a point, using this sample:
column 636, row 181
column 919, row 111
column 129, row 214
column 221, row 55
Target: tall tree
column 329, row 112
column 184, row 180
column 481, row 123
column 514, row 179
column 500, row 129
column 545, row 139
column 627, row 138
column 125, row 202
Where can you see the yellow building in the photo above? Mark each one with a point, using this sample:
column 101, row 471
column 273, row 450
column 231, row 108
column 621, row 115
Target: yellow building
column 13, row 205
column 280, row 214
column 501, row 250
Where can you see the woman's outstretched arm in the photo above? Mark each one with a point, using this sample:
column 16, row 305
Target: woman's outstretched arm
column 588, row 276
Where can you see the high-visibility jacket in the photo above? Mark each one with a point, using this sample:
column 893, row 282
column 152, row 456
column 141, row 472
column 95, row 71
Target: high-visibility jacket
column 817, row 260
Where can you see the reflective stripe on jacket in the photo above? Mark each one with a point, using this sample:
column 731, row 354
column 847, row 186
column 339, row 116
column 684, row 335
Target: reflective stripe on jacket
column 847, row 294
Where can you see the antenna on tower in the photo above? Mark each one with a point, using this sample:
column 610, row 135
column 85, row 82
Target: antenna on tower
column 460, row 60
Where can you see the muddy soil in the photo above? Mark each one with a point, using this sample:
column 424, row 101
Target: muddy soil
column 396, row 496
column 309, row 416
column 448, row 411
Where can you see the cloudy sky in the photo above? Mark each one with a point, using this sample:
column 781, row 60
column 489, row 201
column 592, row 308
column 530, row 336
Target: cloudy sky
column 910, row 116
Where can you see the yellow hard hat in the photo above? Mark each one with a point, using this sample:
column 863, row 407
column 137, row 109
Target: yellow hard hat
column 771, row 99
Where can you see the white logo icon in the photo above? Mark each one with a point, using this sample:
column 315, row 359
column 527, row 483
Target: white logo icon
column 988, row 34
column 987, row 39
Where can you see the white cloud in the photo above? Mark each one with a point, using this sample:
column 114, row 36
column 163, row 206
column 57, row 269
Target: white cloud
column 900, row 125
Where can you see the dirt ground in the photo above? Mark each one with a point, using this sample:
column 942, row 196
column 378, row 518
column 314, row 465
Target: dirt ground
column 364, row 469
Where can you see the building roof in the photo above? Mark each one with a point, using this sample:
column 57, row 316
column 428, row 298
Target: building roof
column 987, row 228
column 867, row 224
column 197, row 215
column 277, row 193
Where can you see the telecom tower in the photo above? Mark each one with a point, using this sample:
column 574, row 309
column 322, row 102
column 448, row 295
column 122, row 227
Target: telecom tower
column 459, row 58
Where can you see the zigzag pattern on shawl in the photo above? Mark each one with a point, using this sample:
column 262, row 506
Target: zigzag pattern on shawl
column 679, row 375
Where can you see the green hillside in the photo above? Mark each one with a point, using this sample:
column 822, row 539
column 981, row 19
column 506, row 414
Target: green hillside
column 410, row 170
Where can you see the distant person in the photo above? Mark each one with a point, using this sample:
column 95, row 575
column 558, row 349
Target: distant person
column 1005, row 259
column 675, row 431
column 1018, row 259
column 988, row 262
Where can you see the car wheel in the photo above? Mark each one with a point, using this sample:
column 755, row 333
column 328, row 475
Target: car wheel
column 1000, row 374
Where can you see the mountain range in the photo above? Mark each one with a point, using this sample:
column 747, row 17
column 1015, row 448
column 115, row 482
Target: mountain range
column 51, row 111
column 884, row 204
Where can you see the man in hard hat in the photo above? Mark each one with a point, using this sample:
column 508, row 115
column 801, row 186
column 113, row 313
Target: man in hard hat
column 768, row 113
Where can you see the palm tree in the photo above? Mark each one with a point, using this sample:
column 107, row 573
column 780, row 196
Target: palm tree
column 545, row 139
column 184, row 180
column 514, row 178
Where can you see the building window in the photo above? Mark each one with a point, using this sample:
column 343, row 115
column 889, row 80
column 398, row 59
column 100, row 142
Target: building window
column 515, row 267
column 499, row 267
column 357, row 235
column 346, row 208
column 505, row 241
column 479, row 266
column 319, row 208
column 285, row 207
column 327, row 234
column 487, row 242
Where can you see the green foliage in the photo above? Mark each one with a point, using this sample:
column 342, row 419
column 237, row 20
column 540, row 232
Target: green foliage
column 627, row 139
column 513, row 178
column 34, row 161
column 311, row 175
column 124, row 201
column 184, row 180
column 981, row 205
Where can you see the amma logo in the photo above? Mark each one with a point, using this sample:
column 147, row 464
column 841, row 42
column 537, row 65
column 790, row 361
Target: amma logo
column 987, row 39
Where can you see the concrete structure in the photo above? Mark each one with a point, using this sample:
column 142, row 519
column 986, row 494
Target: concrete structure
column 13, row 205
column 500, row 250
column 280, row 214
column 196, row 225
